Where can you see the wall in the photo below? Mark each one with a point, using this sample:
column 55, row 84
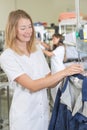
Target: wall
column 46, row 10
column 5, row 7
column 40, row 10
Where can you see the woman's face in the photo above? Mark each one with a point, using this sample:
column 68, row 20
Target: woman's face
column 24, row 30
column 55, row 40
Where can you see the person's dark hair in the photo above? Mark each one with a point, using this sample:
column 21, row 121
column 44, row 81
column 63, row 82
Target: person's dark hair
column 60, row 43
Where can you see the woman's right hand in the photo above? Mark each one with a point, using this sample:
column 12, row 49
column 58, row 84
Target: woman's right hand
column 74, row 69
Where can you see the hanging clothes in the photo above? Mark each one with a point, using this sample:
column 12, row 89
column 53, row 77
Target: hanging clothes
column 70, row 108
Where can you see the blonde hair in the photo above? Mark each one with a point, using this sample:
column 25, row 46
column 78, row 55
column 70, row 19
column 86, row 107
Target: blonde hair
column 10, row 32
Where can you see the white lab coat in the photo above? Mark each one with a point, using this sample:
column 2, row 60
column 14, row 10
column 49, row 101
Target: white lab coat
column 57, row 59
column 29, row 110
column 57, row 65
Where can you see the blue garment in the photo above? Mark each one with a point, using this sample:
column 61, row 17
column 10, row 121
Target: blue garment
column 62, row 118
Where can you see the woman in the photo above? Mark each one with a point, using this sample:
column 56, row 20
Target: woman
column 57, row 54
column 28, row 73
column 57, row 57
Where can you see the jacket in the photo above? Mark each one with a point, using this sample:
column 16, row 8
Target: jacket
column 70, row 107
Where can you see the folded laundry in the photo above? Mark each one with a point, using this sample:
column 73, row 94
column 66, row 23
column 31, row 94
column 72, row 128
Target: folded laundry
column 67, row 15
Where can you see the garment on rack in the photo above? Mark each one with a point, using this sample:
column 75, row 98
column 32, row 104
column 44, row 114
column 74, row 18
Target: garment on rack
column 70, row 108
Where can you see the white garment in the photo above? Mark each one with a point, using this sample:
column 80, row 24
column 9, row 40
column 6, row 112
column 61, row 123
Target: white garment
column 57, row 65
column 29, row 110
column 57, row 59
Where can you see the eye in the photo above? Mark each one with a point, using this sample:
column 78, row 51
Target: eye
column 22, row 28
